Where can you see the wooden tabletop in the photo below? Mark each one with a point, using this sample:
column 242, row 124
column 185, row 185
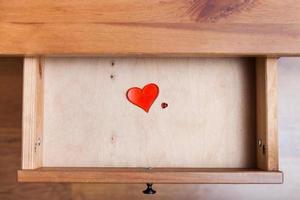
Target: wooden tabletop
column 146, row 28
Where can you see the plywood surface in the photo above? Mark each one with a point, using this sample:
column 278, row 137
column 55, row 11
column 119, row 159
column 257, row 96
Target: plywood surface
column 210, row 120
column 168, row 27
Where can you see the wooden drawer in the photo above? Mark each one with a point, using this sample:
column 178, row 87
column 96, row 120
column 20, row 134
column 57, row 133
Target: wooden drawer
column 220, row 125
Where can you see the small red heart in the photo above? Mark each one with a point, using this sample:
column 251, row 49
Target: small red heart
column 143, row 98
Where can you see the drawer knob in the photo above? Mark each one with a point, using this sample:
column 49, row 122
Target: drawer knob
column 149, row 189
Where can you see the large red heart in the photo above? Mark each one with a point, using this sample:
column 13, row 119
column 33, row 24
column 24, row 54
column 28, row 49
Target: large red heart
column 143, row 98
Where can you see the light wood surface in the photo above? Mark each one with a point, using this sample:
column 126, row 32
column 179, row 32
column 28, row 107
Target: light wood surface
column 267, row 130
column 210, row 120
column 33, row 107
column 10, row 151
column 149, row 176
column 168, row 27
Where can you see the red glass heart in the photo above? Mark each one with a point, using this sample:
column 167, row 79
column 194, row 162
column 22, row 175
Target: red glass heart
column 143, row 98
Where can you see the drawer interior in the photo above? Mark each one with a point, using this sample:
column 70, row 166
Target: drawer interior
column 209, row 121
column 219, row 125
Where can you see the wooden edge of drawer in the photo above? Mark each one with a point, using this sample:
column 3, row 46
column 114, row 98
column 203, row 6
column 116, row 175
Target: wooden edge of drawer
column 162, row 176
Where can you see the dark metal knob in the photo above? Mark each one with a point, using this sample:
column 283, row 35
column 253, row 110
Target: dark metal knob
column 149, row 189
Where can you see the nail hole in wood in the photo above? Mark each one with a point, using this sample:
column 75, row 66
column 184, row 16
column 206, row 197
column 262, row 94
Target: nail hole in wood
column 113, row 139
column 259, row 143
column 264, row 149
column 40, row 70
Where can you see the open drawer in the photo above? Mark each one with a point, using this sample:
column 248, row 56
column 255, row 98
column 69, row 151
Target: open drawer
column 214, row 121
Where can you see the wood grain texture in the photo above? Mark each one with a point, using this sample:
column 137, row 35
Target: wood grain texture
column 207, row 176
column 267, row 130
column 210, row 120
column 10, row 107
column 11, row 70
column 32, row 113
column 10, row 151
column 160, row 27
